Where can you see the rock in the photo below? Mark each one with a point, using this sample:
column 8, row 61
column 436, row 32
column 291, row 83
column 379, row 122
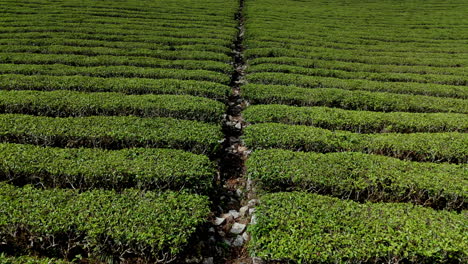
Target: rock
column 244, row 210
column 251, row 211
column 253, row 220
column 237, row 228
column 238, row 125
column 226, row 241
column 208, row 260
column 219, row 221
column 256, row 260
column 193, row 260
column 221, row 233
column 234, row 214
column 227, row 216
column 238, row 242
column 252, row 203
column 245, row 236
column 211, row 230
column 239, row 192
column 212, row 239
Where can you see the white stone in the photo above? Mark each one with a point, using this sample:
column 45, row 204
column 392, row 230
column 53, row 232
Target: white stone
column 227, row 242
column 243, row 210
column 237, row 228
column 239, row 193
column 251, row 211
column 208, row 260
column 245, row 236
column 234, row 214
column 227, row 216
column 238, row 125
column 211, row 230
column 238, row 242
column 253, row 220
column 256, row 260
column 219, row 221
column 252, row 202
column 193, row 260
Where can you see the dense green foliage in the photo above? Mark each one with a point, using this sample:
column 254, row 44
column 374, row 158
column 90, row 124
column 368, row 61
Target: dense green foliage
column 69, row 103
column 82, row 60
column 456, row 80
column 396, row 84
column 361, row 177
column 110, row 132
column 357, row 121
column 116, row 169
column 355, row 100
column 29, row 260
column 122, row 85
column 361, row 67
column 100, row 96
column 309, row 228
column 103, row 223
column 114, row 71
column 433, row 147
column 380, row 89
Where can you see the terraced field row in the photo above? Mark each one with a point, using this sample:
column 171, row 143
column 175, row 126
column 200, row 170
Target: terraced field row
column 110, row 119
column 356, row 125
column 121, row 123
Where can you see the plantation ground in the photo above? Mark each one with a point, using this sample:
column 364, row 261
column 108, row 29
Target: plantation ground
column 153, row 131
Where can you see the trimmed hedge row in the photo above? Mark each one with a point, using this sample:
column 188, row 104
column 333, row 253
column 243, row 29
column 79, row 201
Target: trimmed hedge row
column 168, row 41
column 361, row 177
column 433, row 147
column 82, row 168
column 359, row 51
column 103, row 224
column 139, row 52
column 29, row 260
column 359, row 67
column 118, row 29
column 104, row 60
column 346, row 43
column 358, row 84
column 115, row 71
column 111, row 132
column 69, row 103
column 123, row 85
column 353, row 100
column 309, row 228
column 357, row 121
column 62, row 40
column 279, row 78
column 356, row 56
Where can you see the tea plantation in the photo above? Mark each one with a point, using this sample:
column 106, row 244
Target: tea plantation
column 339, row 128
column 358, row 129
column 110, row 120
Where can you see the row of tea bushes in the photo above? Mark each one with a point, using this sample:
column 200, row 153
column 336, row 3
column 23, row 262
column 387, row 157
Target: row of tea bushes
column 310, row 228
column 112, row 132
column 357, row 121
column 354, row 100
column 360, row 177
column 86, row 168
column 122, row 85
column 70, row 103
column 431, row 147
column 148, row 225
